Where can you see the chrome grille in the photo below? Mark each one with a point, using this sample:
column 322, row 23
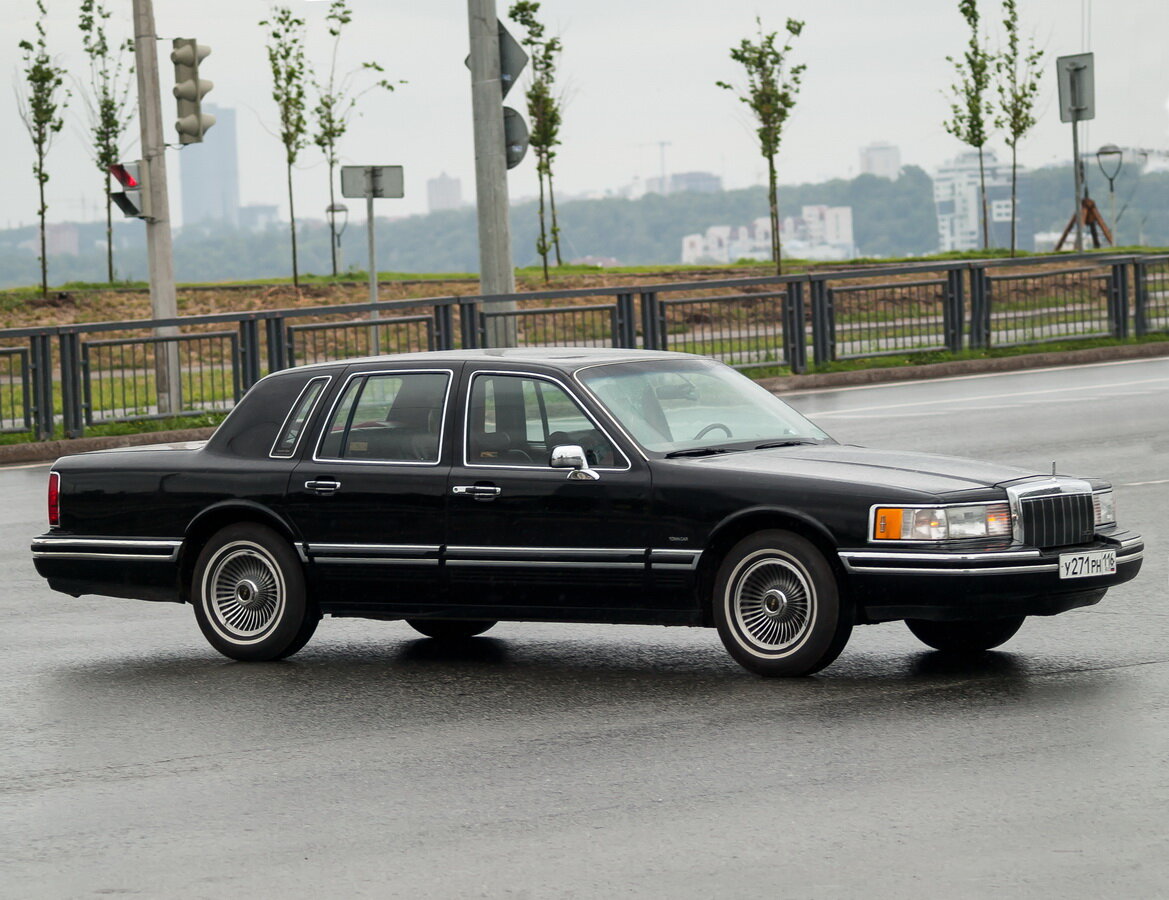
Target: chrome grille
column 1057, row 520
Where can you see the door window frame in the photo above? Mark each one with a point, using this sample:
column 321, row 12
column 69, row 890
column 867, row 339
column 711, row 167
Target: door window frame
column 317, row 458
column 470, row 392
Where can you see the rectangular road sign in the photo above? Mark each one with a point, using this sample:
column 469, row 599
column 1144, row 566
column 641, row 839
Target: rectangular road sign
column 1077, row 87
column 379, row 182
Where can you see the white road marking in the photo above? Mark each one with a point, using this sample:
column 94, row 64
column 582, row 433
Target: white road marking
column 1144, row 483
column 952, row 378
column 38, row 465
column 1000, row 396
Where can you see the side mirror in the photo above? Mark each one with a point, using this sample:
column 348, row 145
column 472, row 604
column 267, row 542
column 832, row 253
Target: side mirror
column 572, row 456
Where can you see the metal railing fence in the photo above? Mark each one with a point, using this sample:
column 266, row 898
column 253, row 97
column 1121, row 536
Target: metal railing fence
column 81, row 375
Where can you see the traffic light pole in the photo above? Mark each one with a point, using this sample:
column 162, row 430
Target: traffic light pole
column 159, row 247
column 496, row 274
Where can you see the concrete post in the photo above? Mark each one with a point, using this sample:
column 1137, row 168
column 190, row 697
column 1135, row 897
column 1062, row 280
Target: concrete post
column 496, row 274
column 159, row 247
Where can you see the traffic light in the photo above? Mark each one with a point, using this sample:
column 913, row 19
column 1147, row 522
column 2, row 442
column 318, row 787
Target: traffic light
column 134, row 199
column 515, row 137
column 189, row 90
column 512, row 60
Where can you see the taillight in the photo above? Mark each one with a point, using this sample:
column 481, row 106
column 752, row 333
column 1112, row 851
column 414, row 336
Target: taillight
column 54, row 499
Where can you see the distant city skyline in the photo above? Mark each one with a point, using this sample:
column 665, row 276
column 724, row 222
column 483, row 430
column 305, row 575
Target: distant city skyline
column 875, row 74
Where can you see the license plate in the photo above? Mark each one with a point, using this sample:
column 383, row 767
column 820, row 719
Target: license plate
column 1085, row 565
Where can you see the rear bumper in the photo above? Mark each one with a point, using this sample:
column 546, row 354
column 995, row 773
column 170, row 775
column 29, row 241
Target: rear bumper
column 141, row 569
column 893, row 584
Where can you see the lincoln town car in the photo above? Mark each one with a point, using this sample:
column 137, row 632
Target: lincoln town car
column 454, row 490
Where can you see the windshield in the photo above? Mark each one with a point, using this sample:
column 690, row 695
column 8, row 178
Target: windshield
column 691, row 406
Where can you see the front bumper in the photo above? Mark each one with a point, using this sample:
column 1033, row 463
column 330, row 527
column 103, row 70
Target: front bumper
column 938, row 585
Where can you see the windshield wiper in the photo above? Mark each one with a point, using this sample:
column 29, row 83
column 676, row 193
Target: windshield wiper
column 700, row 451
column 790, row 442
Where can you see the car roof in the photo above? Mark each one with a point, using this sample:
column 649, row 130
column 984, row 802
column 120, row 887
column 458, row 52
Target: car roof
column 567, row 359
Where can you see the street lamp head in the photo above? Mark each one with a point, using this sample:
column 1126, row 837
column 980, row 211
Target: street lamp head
column 333, row 210
column 1110, row 158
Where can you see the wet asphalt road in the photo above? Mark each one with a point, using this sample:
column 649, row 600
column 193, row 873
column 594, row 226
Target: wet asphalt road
column 549, row 761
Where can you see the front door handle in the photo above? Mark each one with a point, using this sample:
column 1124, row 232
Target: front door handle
column 477, row 491
column 325, row 486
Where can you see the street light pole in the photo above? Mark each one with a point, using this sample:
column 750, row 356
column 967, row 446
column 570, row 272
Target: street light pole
column 159, row 246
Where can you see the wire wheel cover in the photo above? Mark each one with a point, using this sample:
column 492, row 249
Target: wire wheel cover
column 244, row 591
column 773, row 603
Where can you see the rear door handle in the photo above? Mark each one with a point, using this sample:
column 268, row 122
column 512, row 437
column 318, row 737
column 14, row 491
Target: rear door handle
column 478, row 491
column 325, row 486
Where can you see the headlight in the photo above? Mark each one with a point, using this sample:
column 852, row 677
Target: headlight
column 941, row 523
column 1104, row 506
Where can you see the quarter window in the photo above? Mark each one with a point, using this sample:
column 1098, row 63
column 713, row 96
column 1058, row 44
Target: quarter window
column 388, row 418
column 516, row 421
column 289, row 439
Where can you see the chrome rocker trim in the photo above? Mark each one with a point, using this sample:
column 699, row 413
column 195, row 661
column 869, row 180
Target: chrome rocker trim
column 106, row 548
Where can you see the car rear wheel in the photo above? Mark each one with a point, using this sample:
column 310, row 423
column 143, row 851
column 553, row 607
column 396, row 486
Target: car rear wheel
column 777, row 606
column 965, row 637
column 249, row 595
column 450, row 629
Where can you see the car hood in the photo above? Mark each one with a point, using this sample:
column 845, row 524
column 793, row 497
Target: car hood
column 926, row 472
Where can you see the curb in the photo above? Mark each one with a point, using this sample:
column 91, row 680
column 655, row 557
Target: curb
column 48, row 451
column 794, row 383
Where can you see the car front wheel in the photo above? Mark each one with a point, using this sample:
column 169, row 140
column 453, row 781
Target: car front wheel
column 965, row 637
column 249, row 595
column 777, row 606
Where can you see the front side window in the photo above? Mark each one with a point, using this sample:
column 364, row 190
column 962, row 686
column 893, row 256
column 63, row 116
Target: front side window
column 516, row 420
column 388, row 417
column 681, row 406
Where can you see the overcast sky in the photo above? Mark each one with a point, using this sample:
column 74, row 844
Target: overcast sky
column 634, row 73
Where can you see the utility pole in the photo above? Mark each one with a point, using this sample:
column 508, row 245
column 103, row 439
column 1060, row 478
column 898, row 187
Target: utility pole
column 159, row 247
column 496, row 272
column 662, row 145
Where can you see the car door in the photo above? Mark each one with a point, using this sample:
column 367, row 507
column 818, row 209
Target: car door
column 523, row 537
column 369, row 499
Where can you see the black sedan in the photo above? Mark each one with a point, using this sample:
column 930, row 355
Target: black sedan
column 457, row 489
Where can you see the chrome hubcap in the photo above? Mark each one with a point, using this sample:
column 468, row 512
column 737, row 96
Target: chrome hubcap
column 773, row 602
column 244, row 592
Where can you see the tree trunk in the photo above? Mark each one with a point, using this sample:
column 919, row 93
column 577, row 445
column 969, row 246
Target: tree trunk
column 43, row 209
column 773, row 203
column 1014, row 200
column 292, row 229
column 982, row 192
column 555, row 224
column 542, row 243
column 332, row 221
column 109, row 234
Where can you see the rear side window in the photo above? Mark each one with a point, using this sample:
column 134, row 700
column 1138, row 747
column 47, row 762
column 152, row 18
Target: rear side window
column 388, row 417
column 293, row 427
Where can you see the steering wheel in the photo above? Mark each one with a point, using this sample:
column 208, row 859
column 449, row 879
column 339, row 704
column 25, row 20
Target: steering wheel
column 711, row 427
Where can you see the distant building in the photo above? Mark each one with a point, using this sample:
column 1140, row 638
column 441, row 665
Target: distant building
column 694, row 182
column 62, row 239
column 959, row 205
column 210, row 173
column 258, row 216
column 443, row 192
column 601, row 262
column 882, row 160
column 819, row 232
column 728, row 243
